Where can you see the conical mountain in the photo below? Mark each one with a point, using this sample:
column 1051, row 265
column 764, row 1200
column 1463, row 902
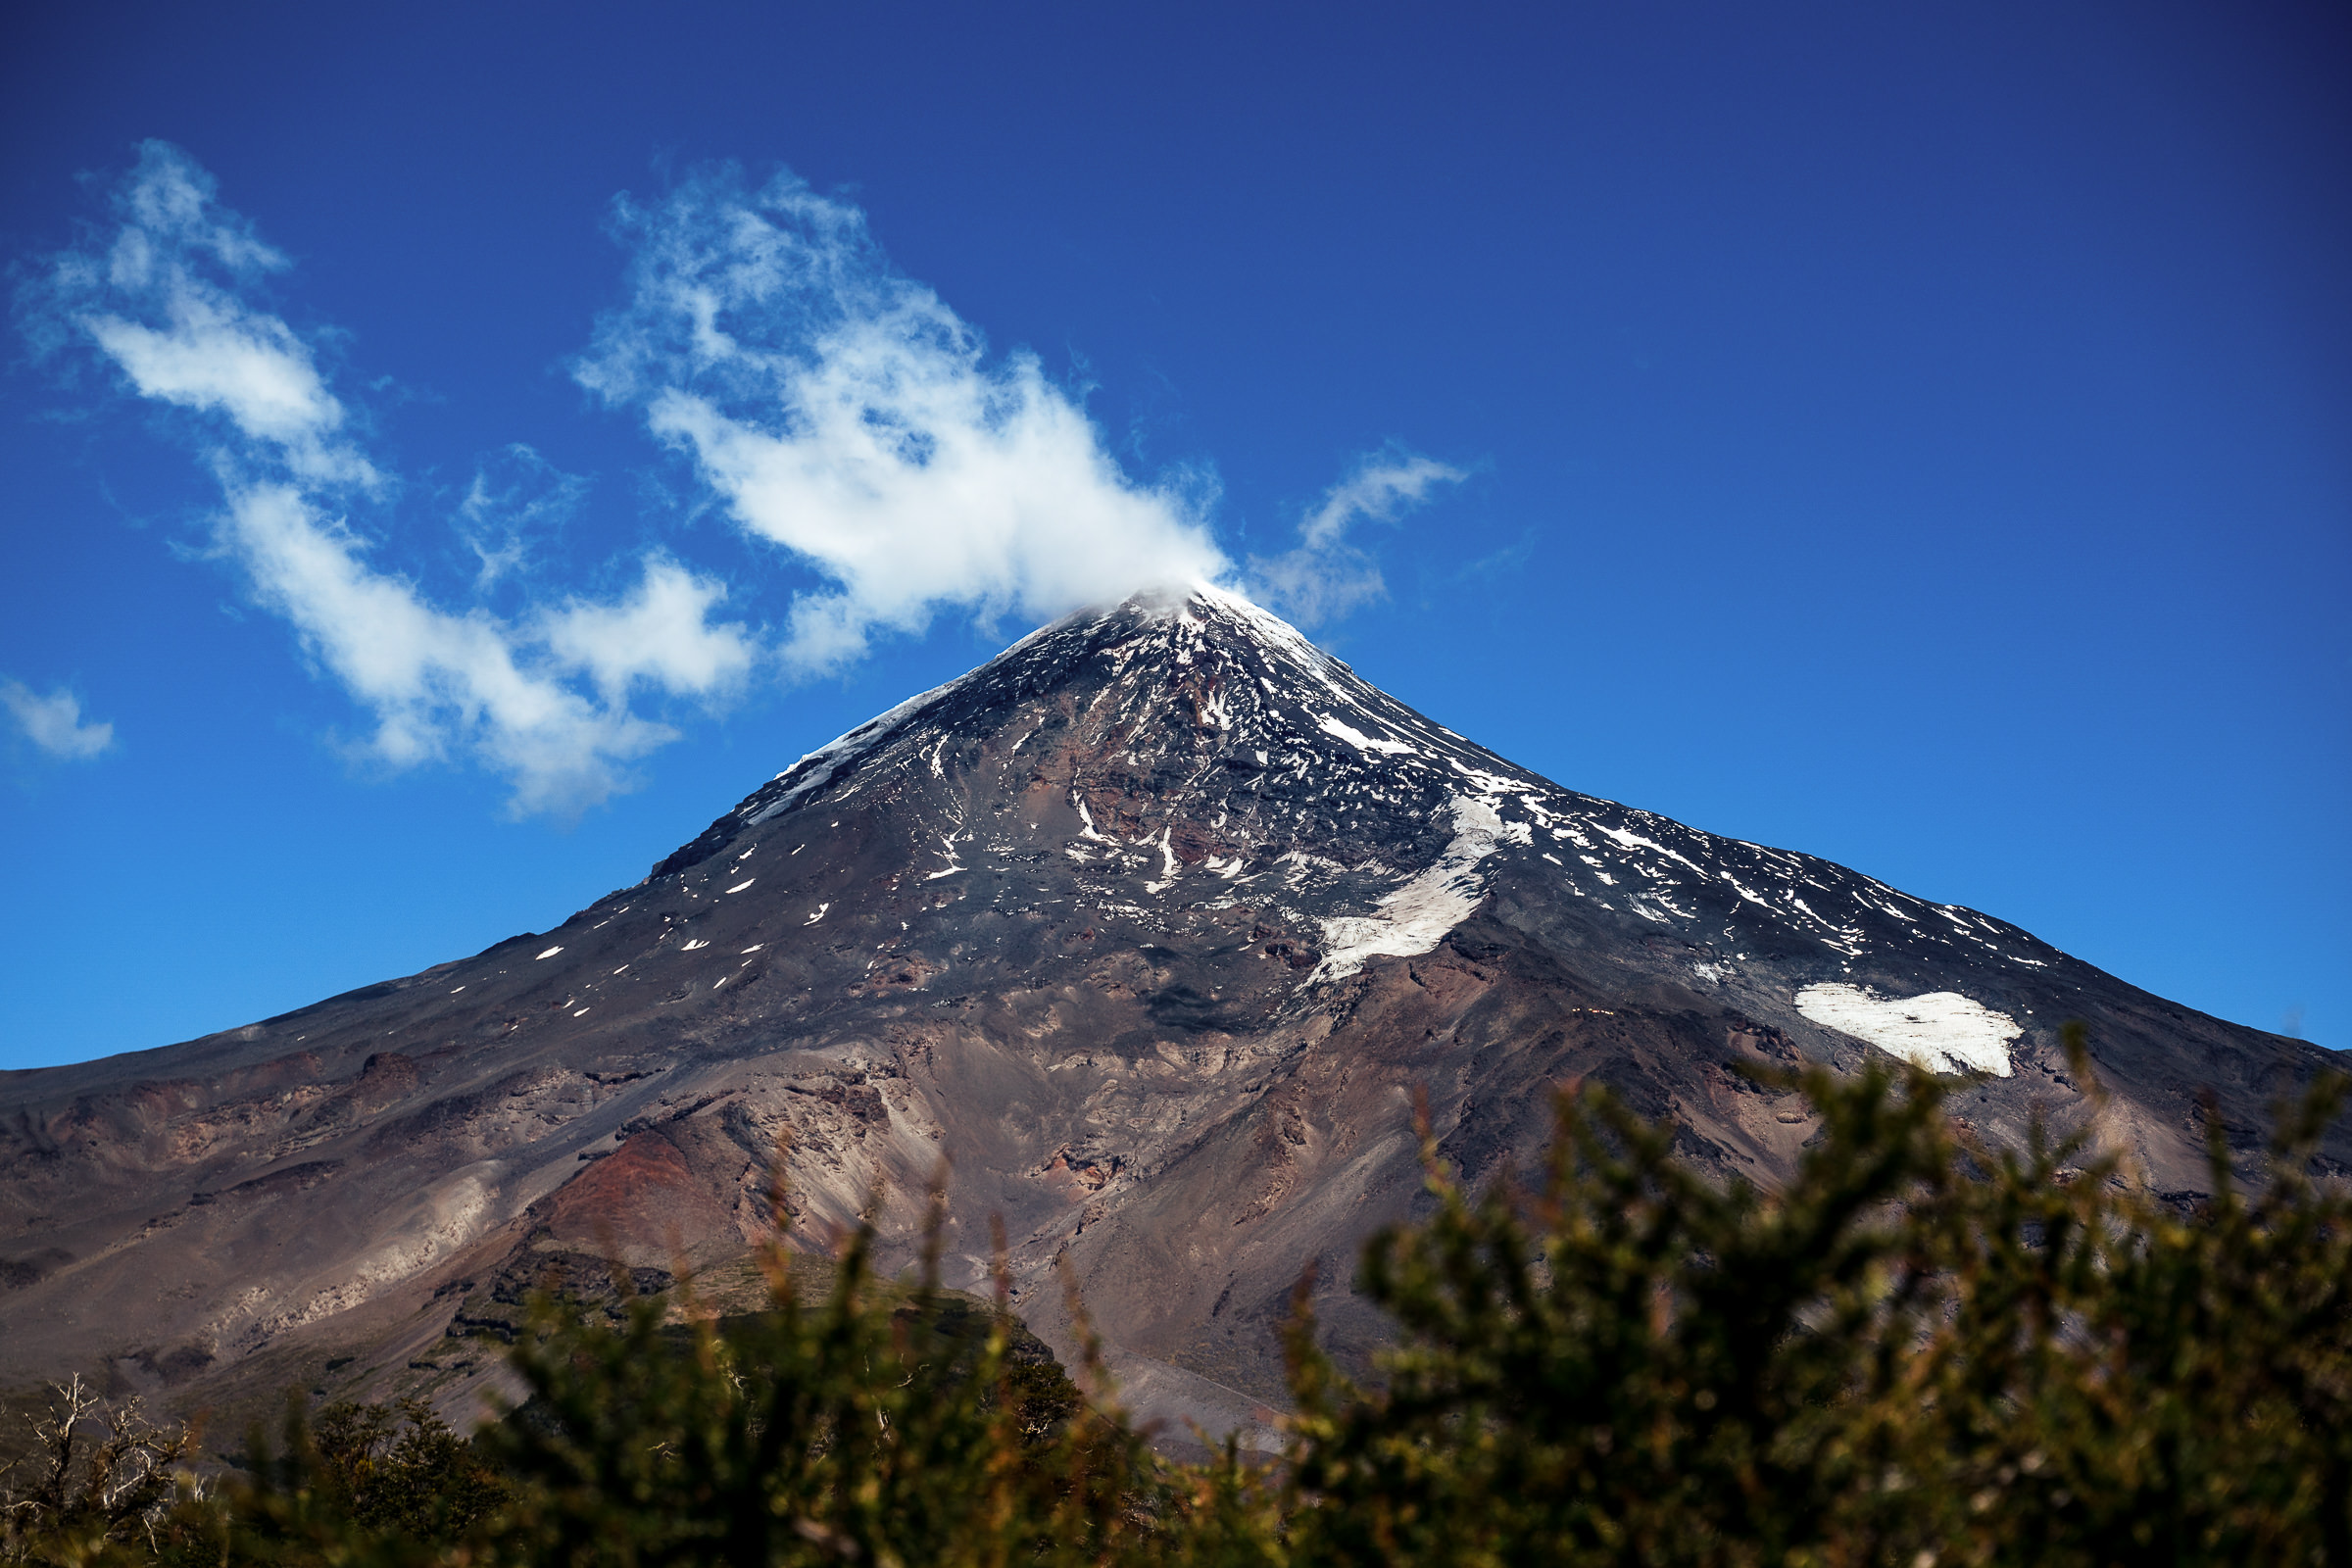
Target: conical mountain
column 1151, row 928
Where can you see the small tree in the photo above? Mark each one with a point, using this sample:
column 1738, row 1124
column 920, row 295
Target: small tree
column 101, row 1473
column 357, row 1484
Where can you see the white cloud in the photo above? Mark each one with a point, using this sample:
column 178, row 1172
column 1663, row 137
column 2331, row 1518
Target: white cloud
column 1380, row 488
column 660, row 636
column 176, row 260
column 437, row 681
column 542, row 698
column 1324, row 576
column 831, row 407
column 53, row 723
column 845, row 412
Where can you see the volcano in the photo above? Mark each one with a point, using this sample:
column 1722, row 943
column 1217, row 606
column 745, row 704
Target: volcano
column 1149, row 932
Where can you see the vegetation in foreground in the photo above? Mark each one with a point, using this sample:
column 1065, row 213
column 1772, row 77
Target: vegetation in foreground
column 1924, row 1351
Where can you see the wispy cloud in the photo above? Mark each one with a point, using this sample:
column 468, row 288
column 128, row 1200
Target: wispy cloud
column 53, row 722
column 168, row 298
column 1324, row 576
column 516, row 501
column 826, row 404
column 439, row 682
column 161, row 300
column 845, row 412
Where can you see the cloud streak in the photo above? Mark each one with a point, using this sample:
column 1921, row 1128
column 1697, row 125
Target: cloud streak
column 845, row 414
column 54, row 723
column 1324, row 576
column 544, row 698
column 162, row 302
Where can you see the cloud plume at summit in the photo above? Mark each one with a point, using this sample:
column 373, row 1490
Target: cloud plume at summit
column 845, row 412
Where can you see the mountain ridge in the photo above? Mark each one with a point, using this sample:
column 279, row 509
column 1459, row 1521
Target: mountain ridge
column 1151, row 926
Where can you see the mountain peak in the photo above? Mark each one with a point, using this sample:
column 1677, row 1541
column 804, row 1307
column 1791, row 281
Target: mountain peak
column 1199, row 648
column 1182, row 736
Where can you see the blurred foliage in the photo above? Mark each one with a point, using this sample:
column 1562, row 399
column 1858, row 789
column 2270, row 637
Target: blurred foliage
column 1924, row 1351
column 355, row 1483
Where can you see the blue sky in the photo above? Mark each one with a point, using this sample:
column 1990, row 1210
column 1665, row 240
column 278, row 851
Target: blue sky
column 1916, row 436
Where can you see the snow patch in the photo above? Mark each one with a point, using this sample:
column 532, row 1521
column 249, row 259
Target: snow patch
column 1271, row 631
column 1414, row 918
column 745, row 883
column 1361, row 740
column 954, row 861
column 1751, row 897
column 1626, row 840
column 1169, row 870
column 549, row 954
column 1942, row 1031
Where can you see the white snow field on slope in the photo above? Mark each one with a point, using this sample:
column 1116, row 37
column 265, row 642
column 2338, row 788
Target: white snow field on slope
column 1415, row 916
column 1942, row 1031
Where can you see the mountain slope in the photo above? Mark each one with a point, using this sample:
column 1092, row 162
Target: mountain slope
column 1151, row 927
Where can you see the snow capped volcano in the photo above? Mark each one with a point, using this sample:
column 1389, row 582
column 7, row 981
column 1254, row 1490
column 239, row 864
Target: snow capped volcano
column 1151, row 927
column 1237, row 761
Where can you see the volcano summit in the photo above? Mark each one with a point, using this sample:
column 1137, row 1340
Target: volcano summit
column 1151, row 927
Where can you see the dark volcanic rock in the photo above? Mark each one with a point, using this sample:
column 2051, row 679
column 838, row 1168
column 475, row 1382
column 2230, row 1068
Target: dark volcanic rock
column 1151, row 928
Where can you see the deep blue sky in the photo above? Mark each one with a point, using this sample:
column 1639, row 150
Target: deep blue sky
column 1920, row 437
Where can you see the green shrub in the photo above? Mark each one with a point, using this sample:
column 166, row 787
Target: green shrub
column 860, row 1428
column 356, row 1482
column 1923, row 1350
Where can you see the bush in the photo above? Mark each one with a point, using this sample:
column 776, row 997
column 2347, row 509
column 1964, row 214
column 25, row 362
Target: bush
column 359, row 1483
column 861, row 1427
column 1924, row 1351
